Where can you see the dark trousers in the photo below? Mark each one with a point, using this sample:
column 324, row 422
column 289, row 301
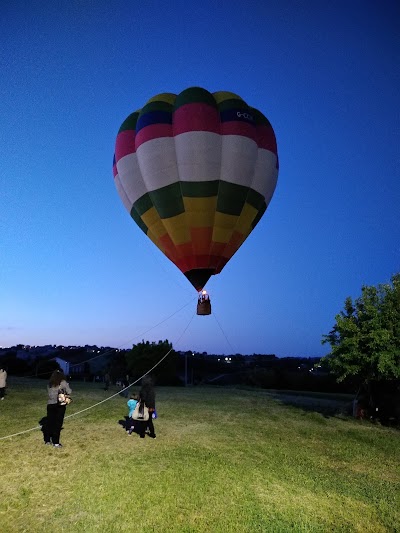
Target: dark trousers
column 130, row 423
column 54, row 422
column 2, row 392
column 148, row 424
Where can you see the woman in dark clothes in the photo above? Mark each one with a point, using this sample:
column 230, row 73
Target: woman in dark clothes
column 55, row 411
column 148, row 396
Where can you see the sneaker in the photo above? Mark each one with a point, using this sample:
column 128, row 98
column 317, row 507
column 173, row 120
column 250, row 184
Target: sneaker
column 48, row 443
column 57, row 445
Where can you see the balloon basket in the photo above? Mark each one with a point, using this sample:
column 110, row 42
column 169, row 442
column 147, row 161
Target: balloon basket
column 204, row 307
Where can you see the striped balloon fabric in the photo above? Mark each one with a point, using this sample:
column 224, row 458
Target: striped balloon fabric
column 196, row 171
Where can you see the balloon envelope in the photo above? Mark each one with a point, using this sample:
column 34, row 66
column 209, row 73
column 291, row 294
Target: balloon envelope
column 196, row 171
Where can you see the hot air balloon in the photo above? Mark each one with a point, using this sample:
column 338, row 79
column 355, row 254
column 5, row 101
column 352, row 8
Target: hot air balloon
column 196, row 171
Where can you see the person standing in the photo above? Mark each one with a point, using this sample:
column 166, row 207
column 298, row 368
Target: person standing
column 107, row 380
column 55, row 411
column 148, row 396
column 3, row 383
column 126, row 384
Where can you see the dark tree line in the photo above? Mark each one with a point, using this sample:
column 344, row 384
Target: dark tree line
column 365, row 347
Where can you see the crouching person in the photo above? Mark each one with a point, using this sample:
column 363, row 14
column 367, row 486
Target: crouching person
column 130, row 423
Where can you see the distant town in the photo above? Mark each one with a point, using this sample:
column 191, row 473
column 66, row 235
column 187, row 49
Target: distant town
column 73, row 360
column 92, row 363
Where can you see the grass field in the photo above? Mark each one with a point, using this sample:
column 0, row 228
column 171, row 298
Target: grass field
column 224, row 460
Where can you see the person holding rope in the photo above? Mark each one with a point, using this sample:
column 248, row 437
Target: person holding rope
column 55, row 411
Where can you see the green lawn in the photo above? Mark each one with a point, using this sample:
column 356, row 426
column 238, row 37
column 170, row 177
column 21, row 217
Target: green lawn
column 224, row 460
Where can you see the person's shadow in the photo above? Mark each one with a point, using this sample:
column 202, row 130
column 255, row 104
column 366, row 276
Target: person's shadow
column 127, row 425
column 42, row 424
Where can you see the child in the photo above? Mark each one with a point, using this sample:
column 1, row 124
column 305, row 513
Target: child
column 131, row 406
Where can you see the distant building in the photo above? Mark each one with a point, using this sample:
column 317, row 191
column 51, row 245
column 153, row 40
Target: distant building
column 63, row 364
column 72, row 364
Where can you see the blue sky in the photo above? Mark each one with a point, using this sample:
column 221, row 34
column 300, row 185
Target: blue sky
column 75, row 269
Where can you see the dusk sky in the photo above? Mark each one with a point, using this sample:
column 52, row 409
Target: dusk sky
column 74, row 267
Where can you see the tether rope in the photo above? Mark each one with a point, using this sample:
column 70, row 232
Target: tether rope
column 112, row 350
column 110, row 397
column 223, row 332
column 135, row 337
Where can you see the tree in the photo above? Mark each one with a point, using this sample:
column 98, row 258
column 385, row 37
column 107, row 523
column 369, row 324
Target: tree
column 14, row 365
column 365, row 340
column 46, row 367
column 145, row 355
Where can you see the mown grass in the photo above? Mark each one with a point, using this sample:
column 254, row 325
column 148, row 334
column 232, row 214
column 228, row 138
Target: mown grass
column 224, row 460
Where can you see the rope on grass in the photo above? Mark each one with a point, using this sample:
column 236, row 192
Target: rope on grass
column 113, row 395
column 20, row 433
